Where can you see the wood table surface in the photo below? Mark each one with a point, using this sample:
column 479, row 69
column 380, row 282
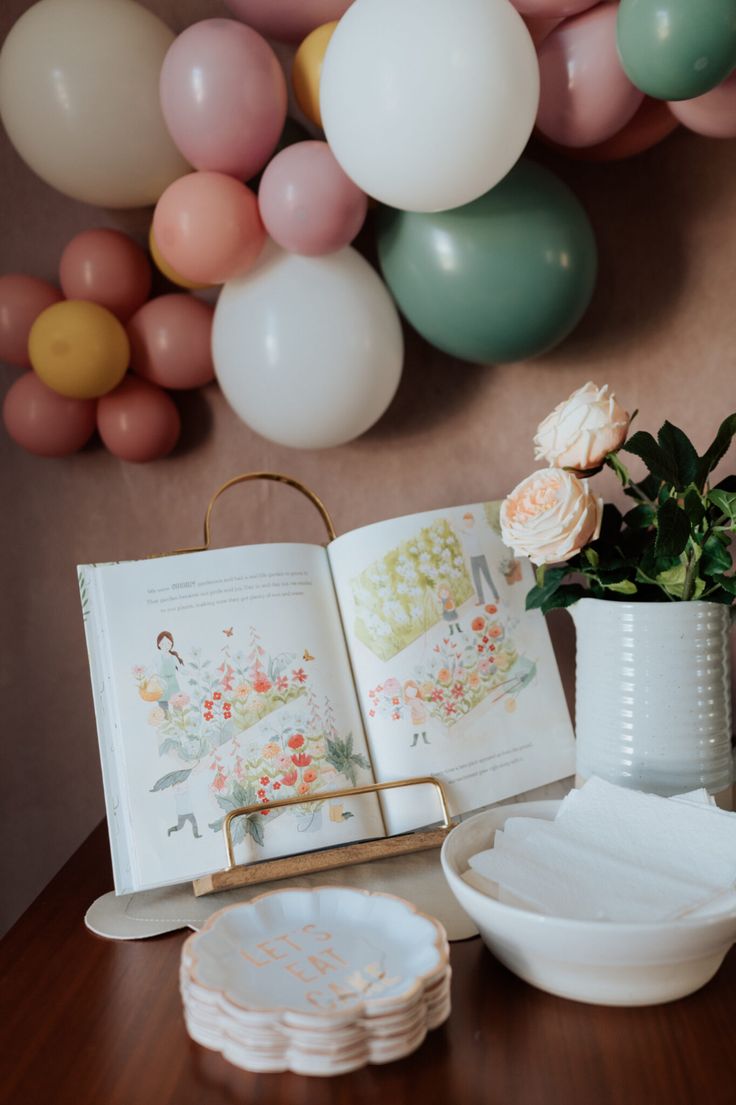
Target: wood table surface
column 88, row 1021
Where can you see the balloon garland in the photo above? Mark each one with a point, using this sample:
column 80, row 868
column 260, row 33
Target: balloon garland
column 426, row 107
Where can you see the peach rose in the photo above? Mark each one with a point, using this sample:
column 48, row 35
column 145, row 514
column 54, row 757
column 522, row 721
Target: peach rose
column 581, row 431
column 550, row 516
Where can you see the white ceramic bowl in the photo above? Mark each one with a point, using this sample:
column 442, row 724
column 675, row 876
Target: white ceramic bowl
column 602, row 962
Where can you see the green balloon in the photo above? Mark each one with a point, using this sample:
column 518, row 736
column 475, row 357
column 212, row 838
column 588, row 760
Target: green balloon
column 677, row 49
column 503, row 278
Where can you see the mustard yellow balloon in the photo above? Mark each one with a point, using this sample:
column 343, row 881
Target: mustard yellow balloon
column 79, row 349
column 166, row 270
column 307, row 69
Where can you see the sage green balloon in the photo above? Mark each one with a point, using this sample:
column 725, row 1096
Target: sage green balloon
column 677, row 49
column 503, row 278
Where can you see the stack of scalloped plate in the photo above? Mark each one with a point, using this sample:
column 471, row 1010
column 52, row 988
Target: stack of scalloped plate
column 318, row 981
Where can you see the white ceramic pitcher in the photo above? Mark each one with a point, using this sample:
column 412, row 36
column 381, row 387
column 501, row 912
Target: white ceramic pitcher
column 653, row 695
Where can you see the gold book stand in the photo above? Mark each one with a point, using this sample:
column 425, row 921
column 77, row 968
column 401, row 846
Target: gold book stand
column 325, row 859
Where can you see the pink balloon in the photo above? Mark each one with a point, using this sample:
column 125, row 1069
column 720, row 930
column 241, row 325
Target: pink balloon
column 308, row 203
column 170, row 342
column 106, row 267
column 552, row 8
column 22, row 298
column 287, row 20
column 207, row 227
column 44, row 422
column 138, row 421
column 224, row 98
column 585, row 96
column 540, row 26
column 713, row 114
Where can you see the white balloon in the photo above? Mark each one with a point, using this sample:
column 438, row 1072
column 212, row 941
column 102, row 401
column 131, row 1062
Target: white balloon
column 428, row 103
column 80, row 102
column 308, row 350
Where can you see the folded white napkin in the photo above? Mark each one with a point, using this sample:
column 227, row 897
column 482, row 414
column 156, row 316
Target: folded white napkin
column 616, row 854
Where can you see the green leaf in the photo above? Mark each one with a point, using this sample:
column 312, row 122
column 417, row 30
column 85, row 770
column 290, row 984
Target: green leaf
column 171, row 779
column 610, row 528
column 539, row 596
column 625, row 587
column 716, row 558
column 728, row 583
column 643, row 445
column 592, row 557
column 254, row 826
column 680, row 450
column 563, row 596
column 673, row 580
column 673, row 530
column 694, row 506
column 718, row 448
column 640, row 517
column 725, row 501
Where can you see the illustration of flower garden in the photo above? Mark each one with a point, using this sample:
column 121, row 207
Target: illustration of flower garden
column 462, row 672
column 397, row 597
column 203, row 725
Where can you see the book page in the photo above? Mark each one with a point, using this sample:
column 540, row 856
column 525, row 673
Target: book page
column 230, row 685
column 454, row 678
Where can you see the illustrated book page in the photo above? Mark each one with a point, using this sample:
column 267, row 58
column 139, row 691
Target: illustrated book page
column 221, row 679
column 454, row 678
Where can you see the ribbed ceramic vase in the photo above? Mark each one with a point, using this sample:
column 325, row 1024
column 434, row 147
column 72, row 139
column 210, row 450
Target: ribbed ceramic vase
column 653, row 695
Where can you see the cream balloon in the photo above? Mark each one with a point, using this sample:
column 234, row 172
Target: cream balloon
column 427, row 104
column 308, row 350
column 79, row 100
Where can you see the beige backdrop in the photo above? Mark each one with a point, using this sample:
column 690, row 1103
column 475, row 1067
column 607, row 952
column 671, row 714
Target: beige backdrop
column 661, row 329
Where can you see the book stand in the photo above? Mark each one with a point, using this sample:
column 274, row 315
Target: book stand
column 325, row 859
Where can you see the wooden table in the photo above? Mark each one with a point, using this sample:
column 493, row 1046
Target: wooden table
column 87, row 1021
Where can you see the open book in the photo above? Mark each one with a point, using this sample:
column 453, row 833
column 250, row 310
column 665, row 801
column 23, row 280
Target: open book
column 236, row 676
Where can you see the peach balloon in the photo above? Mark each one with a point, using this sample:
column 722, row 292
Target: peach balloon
column 652, row 123
column 170, row 342
column 106, row 267
column 167, row 271
column 712, row 114
column 207, row 227
column 22, row 299
column 585, row 96
column 138, row 421
column 308, row 204
column 44, row 422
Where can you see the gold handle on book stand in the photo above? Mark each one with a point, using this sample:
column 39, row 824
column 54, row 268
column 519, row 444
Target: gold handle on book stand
column 321, row 796
column 277, row 477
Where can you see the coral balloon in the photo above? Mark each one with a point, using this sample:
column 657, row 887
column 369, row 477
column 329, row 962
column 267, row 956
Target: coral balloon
column 166, row 270
column 223, row 95
column 307, row 70
column 106, row 267
column 44, row 422
column 138, row 421
column 79, row 100
column 308, row 351
column 22, row 299
column 307, row 203
column 651, row 124
column 505, row 278
column 207, row 227
column 713, row 114
column 426, row 104
column 677, row 49
column 287, row 20
column 79, row 349
column 585, row 96
column 170, row 339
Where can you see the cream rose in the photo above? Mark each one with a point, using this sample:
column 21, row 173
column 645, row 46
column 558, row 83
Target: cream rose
column 580, row 432
column 550, row 516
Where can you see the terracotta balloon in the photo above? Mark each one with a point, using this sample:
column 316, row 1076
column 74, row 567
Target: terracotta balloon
column 22, row 299
column 138, row 421
column 652, row 123
column 287, row 20
column 713, row 114
column 106, row 267
column 307, row 68
column 539, row 27
column 207, row 227
column 79, row 349
column 44, row 422
column 170, row 342
column 223, row 95
column 167, row 271
column 585, row 96
column 79, row 99
column 308, row 203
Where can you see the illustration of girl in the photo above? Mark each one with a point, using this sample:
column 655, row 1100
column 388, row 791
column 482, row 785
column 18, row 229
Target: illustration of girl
column 449, row 611
column 417, row 711
column 169, row 663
